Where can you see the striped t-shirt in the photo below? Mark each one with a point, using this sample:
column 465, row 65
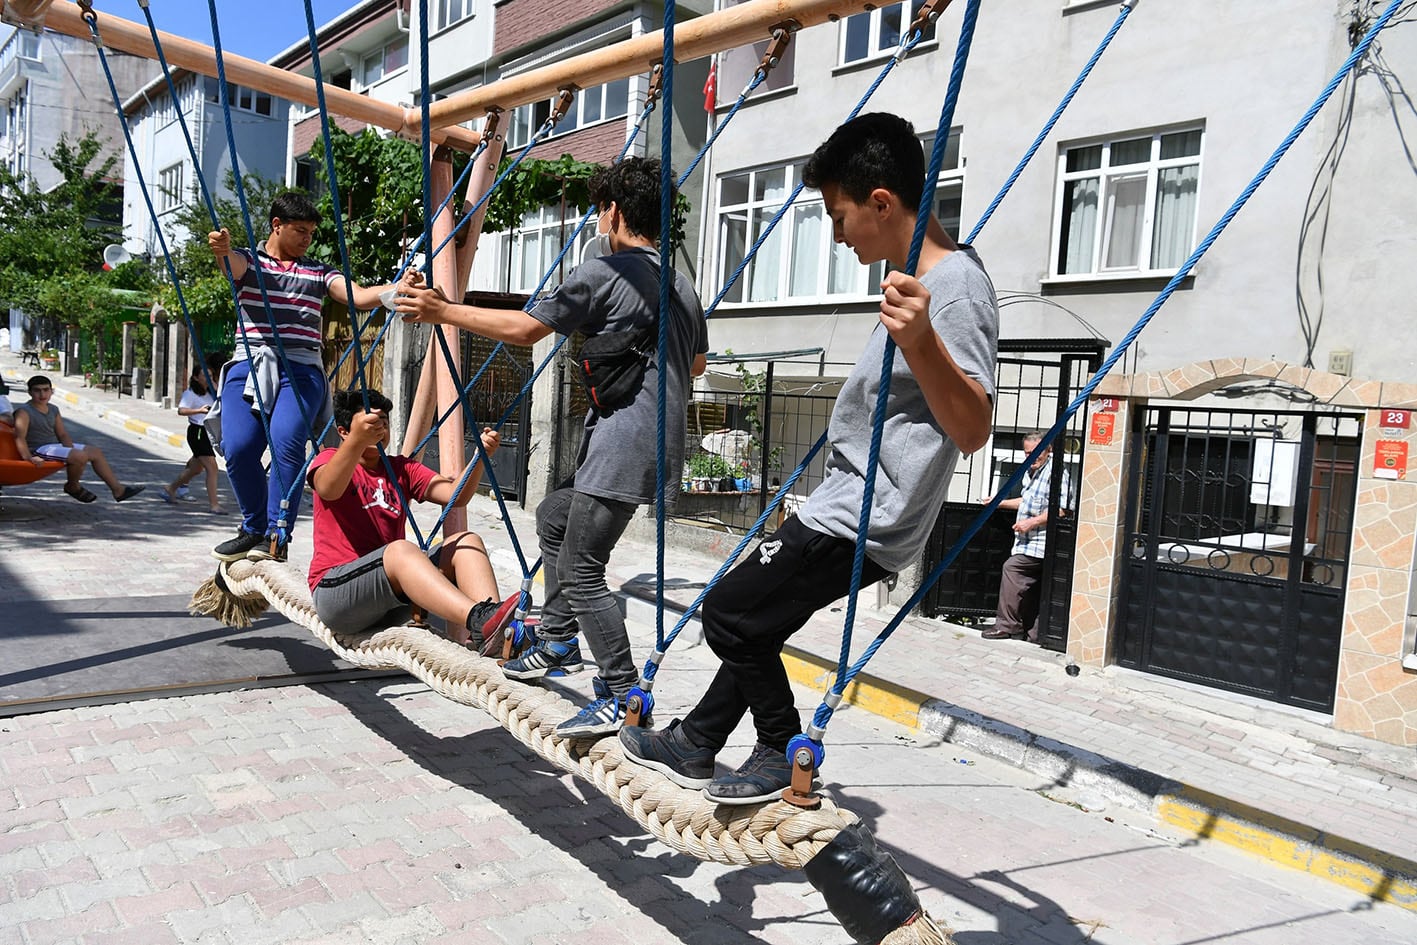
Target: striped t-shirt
column 296, row 295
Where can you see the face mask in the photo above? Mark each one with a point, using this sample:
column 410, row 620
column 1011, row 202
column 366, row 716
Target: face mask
column 599, row 245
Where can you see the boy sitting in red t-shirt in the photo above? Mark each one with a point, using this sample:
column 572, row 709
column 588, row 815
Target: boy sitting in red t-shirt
column 364, row 571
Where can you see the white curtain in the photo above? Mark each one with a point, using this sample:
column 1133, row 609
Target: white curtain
column 1174, row 229
column 805, row 277
column 1080, row 205
column 845, row 271
column 766, row 270
column 1126, row 199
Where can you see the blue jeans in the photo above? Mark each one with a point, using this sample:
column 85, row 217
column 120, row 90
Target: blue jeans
column 577, row 532
column 244, row 441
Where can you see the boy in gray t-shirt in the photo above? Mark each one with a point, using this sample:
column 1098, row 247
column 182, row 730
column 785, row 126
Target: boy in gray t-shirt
column 579, row 523
column 870, row 172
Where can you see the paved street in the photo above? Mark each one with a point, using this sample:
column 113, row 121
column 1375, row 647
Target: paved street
column 374, row 811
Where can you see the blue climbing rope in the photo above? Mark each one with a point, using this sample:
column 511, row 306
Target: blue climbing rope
column 666, row 283
column 1360, row 50
column 917, row 240
column 92, row 20
column 1126, row 8
column 910, row 38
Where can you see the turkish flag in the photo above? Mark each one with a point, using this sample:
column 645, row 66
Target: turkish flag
column 711, row 88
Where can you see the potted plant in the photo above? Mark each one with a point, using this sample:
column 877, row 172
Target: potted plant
column 707, row 472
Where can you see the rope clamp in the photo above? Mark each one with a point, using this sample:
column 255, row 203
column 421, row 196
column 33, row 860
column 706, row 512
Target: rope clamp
column 777, row 46
column 929, row 12
column 799, row 792
column 564, row 101
column 656, row 84
column 490, row 123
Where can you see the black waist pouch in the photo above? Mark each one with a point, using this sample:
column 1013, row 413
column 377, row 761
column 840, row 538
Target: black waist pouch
column 612, row 367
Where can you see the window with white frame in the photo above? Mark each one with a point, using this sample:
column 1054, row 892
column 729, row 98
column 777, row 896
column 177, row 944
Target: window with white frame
column 169, row 188
column 447, row 12
column 163, row 109
column 383, row 62
column 249, row 100
column 1128, row 205
column 799, row 261
column 877, row 32
column 590, row 107
column 533, row 246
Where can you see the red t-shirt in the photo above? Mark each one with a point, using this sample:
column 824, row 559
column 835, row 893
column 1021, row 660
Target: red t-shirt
column 367, row 516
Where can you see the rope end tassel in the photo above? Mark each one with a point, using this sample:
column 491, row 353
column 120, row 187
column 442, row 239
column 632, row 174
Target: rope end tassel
column 214, row 598
column 869, row 894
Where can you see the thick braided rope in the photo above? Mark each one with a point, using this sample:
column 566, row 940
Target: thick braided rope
column 775, row 832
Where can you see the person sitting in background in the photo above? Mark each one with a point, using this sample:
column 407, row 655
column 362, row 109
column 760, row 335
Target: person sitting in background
column 7, row 409
column 40, row 435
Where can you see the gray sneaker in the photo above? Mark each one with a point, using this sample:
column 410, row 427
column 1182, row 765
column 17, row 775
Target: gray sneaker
column 603, row 716
column 671, row 753
column 763, row 777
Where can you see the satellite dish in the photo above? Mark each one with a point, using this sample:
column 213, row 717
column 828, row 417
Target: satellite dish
column 114, row 255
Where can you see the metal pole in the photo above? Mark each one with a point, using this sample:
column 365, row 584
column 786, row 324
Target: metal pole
column 767, row 440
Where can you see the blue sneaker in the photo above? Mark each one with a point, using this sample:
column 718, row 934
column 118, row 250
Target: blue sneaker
column 546, row 658
column 603, row 716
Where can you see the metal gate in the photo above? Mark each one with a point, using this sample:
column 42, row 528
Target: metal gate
column 1236, row 560
column 1034, row 383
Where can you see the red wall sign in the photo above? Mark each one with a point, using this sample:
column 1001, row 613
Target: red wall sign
column 1104, row 405
column 1390, row 459
column 1394, row 419
column 1103, row 426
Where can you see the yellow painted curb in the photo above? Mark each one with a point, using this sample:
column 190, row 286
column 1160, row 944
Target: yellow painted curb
column 877, row 696
column 137, row 426
column 174, row 439
column 1377, row 875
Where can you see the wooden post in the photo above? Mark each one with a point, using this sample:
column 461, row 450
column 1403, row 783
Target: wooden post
column 451, row 455
column 478, row 183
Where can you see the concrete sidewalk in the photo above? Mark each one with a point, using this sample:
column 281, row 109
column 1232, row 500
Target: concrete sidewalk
column 1278, row 783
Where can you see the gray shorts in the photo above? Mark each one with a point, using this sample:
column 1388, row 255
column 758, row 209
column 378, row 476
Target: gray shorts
column 357, row 596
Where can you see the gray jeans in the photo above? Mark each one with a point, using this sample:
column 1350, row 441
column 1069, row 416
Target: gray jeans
column 577, row 532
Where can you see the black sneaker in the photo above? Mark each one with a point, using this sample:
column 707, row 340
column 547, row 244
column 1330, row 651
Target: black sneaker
column 262, row 551
column 763, row 777
column 671, row 753
column 234, row 549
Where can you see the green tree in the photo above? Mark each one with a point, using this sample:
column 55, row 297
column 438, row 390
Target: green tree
column 381, row 196
column 51, row 242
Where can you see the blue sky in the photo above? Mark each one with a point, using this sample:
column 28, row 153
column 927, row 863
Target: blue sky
column 256, row 29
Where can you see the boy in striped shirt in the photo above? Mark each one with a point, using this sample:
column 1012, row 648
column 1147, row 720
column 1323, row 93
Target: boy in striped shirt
column 292, row 392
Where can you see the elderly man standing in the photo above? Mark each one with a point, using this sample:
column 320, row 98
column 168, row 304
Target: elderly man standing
column 1019, row 584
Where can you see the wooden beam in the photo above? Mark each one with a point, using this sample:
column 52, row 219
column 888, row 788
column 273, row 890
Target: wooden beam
column 451, row 454
column 125, row 36
column 739, row 25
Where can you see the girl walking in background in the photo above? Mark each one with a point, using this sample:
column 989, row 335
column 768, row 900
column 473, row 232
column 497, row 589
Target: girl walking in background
column 195, row 403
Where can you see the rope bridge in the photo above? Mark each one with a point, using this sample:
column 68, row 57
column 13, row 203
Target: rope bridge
column 776, row 832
